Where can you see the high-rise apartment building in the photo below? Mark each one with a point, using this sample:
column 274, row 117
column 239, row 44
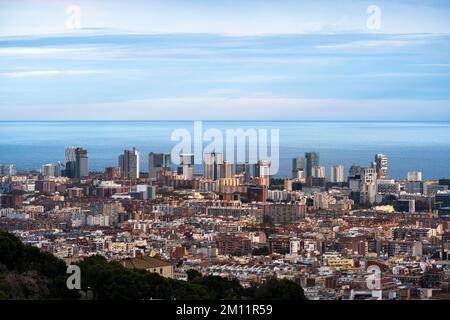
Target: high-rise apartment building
column 187, row 165
column 318, row 172
column 243, row 168
column 368, row 186
column 158, row 162
column 227, row 169
column 354, row 172
column 109, row 209
column 262, row 169
column 283, row 213
column 112, row 173
column 70, row 154
column 129, row 164
column 70, row 162
column 414, row 176
column 418, row 187
column 51, row 170
column 298, row 167
column 337, row 174
column 381, row 163
column 8, row 170
column 312, row 160
column 212, row 165
column 81, row 163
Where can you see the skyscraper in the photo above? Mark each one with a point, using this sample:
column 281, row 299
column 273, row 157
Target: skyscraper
column 8, row 169
column 243, row 168
column 70, row 154
column 368, row 187
column 262, row 169
column 70, row 162
column 51, row 170
column 337, row 174
column 227, row 169
column 212, row 165
column 312, row 160
column 187, row 165
column 381, row 163
column 81, row 163
column 414, row 176
column 298, row 164
column 354, row 171
column 129, row 164
column 158, row 162
column 318, row 172
column 112, row 172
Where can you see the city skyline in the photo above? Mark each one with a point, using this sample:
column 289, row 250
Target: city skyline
column 214, row 166
column 410, row 146
column 221, row 155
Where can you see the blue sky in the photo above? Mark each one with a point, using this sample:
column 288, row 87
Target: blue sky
column 310, row 60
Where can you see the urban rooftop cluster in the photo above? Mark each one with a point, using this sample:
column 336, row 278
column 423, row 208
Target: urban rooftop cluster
column 327, row 233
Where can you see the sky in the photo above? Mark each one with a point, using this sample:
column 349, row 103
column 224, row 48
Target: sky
column 204, row 59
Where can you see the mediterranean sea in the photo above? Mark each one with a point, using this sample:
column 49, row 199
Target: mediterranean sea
column 423, row 146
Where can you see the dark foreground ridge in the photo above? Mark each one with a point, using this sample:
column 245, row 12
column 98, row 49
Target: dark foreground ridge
column 28, row 273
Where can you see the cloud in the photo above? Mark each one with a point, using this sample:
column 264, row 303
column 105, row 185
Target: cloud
column 50, row 73
column 239, row 108
column 370, row 44
column 207, row 66
column 14, row 51
column 439, row 65
column 249, row 79
column 230, row 17
column 416, row 75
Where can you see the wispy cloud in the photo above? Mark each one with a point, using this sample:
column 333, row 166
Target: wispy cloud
column 232, row 17
column 50, row 73
column 439, row 65
column 242, row 108
column 243, row 79
column 25, row 51
column 399, row 75
column 158, row 69
column 370, row 44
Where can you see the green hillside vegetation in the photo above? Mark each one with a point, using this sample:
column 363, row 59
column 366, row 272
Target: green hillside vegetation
column 28, row 273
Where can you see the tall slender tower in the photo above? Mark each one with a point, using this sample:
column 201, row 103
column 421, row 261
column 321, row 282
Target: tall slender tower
column 227, row 169
column 312, row 160
column 187, row 165
column 262, row 169
column 368, row 187
column 381, row 163
column 243, row 168
column 129, row 164
column 70, row 154
column 298, row 167
column 158, row 162
column 81, row 163
column 70, row 162
column 212, row 165
column 337, row 173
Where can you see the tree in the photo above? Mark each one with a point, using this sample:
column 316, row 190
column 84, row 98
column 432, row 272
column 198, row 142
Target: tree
column 4, row 286
column 274, row 289
column 34, row 274
column 45, row 278
column 11, row 251
column 221, row 288
column 267, row 220
column 192, row 274
column 111, row 280
column 264, row 251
